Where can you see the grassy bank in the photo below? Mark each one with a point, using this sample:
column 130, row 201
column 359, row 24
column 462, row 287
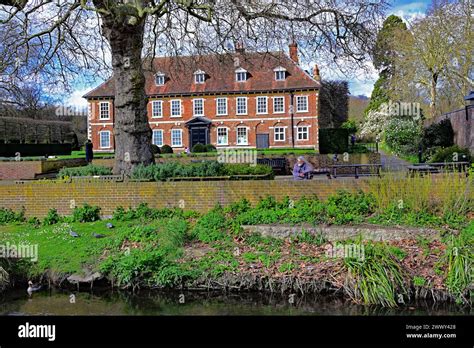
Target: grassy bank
column 173, row 248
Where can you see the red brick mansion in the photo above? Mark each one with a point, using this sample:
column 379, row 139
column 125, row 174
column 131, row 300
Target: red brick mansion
column 239, row 100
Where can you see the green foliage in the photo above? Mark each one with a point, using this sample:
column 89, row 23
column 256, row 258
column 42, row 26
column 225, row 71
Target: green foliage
column 451, row 154
column 438, row 134
column 210, row 148
column 34, row 221
column 143, row 211
column 402, row 135
column 377, row 278
column 199, row 148
column 345, row 207
column 166, row 149
column 394, row 215
column 350, row 125
column 247, row 169
column 52, row 217
column 286, row 267
column 89, row 170
column 155, row 149
column 379, row 94
column 383, row 52
column 419, row 281
column 211, row 226
column 333, row 140
column 9, row 216
column 458, row 262
column 161, row 172
column 86, row 213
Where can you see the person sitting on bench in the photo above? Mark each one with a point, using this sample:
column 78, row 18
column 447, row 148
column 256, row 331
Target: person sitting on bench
column 302, row 169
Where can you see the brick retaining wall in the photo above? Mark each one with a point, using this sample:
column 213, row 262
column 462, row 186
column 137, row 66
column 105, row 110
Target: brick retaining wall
column 37, row 197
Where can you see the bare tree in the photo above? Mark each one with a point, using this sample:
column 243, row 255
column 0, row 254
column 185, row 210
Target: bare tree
column 436, row 55
column 133, row 29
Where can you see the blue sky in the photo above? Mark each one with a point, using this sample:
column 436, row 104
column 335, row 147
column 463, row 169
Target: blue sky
column 362, row 85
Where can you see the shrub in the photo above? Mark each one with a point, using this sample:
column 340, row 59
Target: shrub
column 9, row 216
column 166, row 149
column 451, row 154
column 86, row 213
column 438, row 134
column 161, row 172
column 333, row 140
column 155, row 149
column 199, row 148
column 403, row 135
column 52, row 217
column 350, row 125
column 88, row 170
column 210, row 148
column 247, row 169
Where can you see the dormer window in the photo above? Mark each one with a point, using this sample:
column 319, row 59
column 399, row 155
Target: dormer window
column 280, row 73
column 160, row 79
column 199, row 76
column 241, row 75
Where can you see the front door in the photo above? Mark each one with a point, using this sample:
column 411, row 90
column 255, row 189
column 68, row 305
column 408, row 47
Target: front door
column 263, row 141
column 199, row 135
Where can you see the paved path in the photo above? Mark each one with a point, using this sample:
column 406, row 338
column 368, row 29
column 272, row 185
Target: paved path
column 392, row 162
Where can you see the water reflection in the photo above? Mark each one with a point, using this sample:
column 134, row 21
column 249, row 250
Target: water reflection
column 59, row 302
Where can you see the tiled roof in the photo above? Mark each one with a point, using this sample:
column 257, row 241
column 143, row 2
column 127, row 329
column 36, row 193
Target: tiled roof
column 220, row 74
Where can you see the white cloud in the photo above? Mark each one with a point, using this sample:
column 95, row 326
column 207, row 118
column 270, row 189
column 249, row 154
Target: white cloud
column 76, row 99
column 410, row 12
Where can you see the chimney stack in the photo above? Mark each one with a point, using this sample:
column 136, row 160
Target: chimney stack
column 316, row 75
column 294, row 52
column 239, row 47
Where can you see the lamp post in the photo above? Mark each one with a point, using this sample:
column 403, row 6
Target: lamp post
column 469, row 101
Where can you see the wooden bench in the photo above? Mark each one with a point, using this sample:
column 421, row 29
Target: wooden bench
column 278, row 164
column 357, row 167
column 323, row 170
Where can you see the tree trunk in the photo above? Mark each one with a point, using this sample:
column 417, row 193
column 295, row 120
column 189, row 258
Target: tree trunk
column 433, row 95
column 131, row 129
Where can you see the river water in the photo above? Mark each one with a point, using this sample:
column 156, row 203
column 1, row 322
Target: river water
column 107, row 302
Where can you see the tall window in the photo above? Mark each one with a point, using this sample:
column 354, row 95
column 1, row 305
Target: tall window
column 104, row 139
column 157, row 108
column 221, row 106
column 279, row 133
column 278, row 105
column 241, row 75
column 175, row 108
column 241, row 106
column 303, row 133
column 242, row 136
column 302, row 103
column 198, row 107
column 160, row 79
column 157, row 137
column 222, row 136
column 176, row 137
column 104, row 110
column 262, row 105
column 199, row 76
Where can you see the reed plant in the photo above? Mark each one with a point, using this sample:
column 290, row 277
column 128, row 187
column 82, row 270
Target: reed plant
column 377, row 278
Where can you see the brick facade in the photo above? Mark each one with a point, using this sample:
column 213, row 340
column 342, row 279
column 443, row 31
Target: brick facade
column 290, row 125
